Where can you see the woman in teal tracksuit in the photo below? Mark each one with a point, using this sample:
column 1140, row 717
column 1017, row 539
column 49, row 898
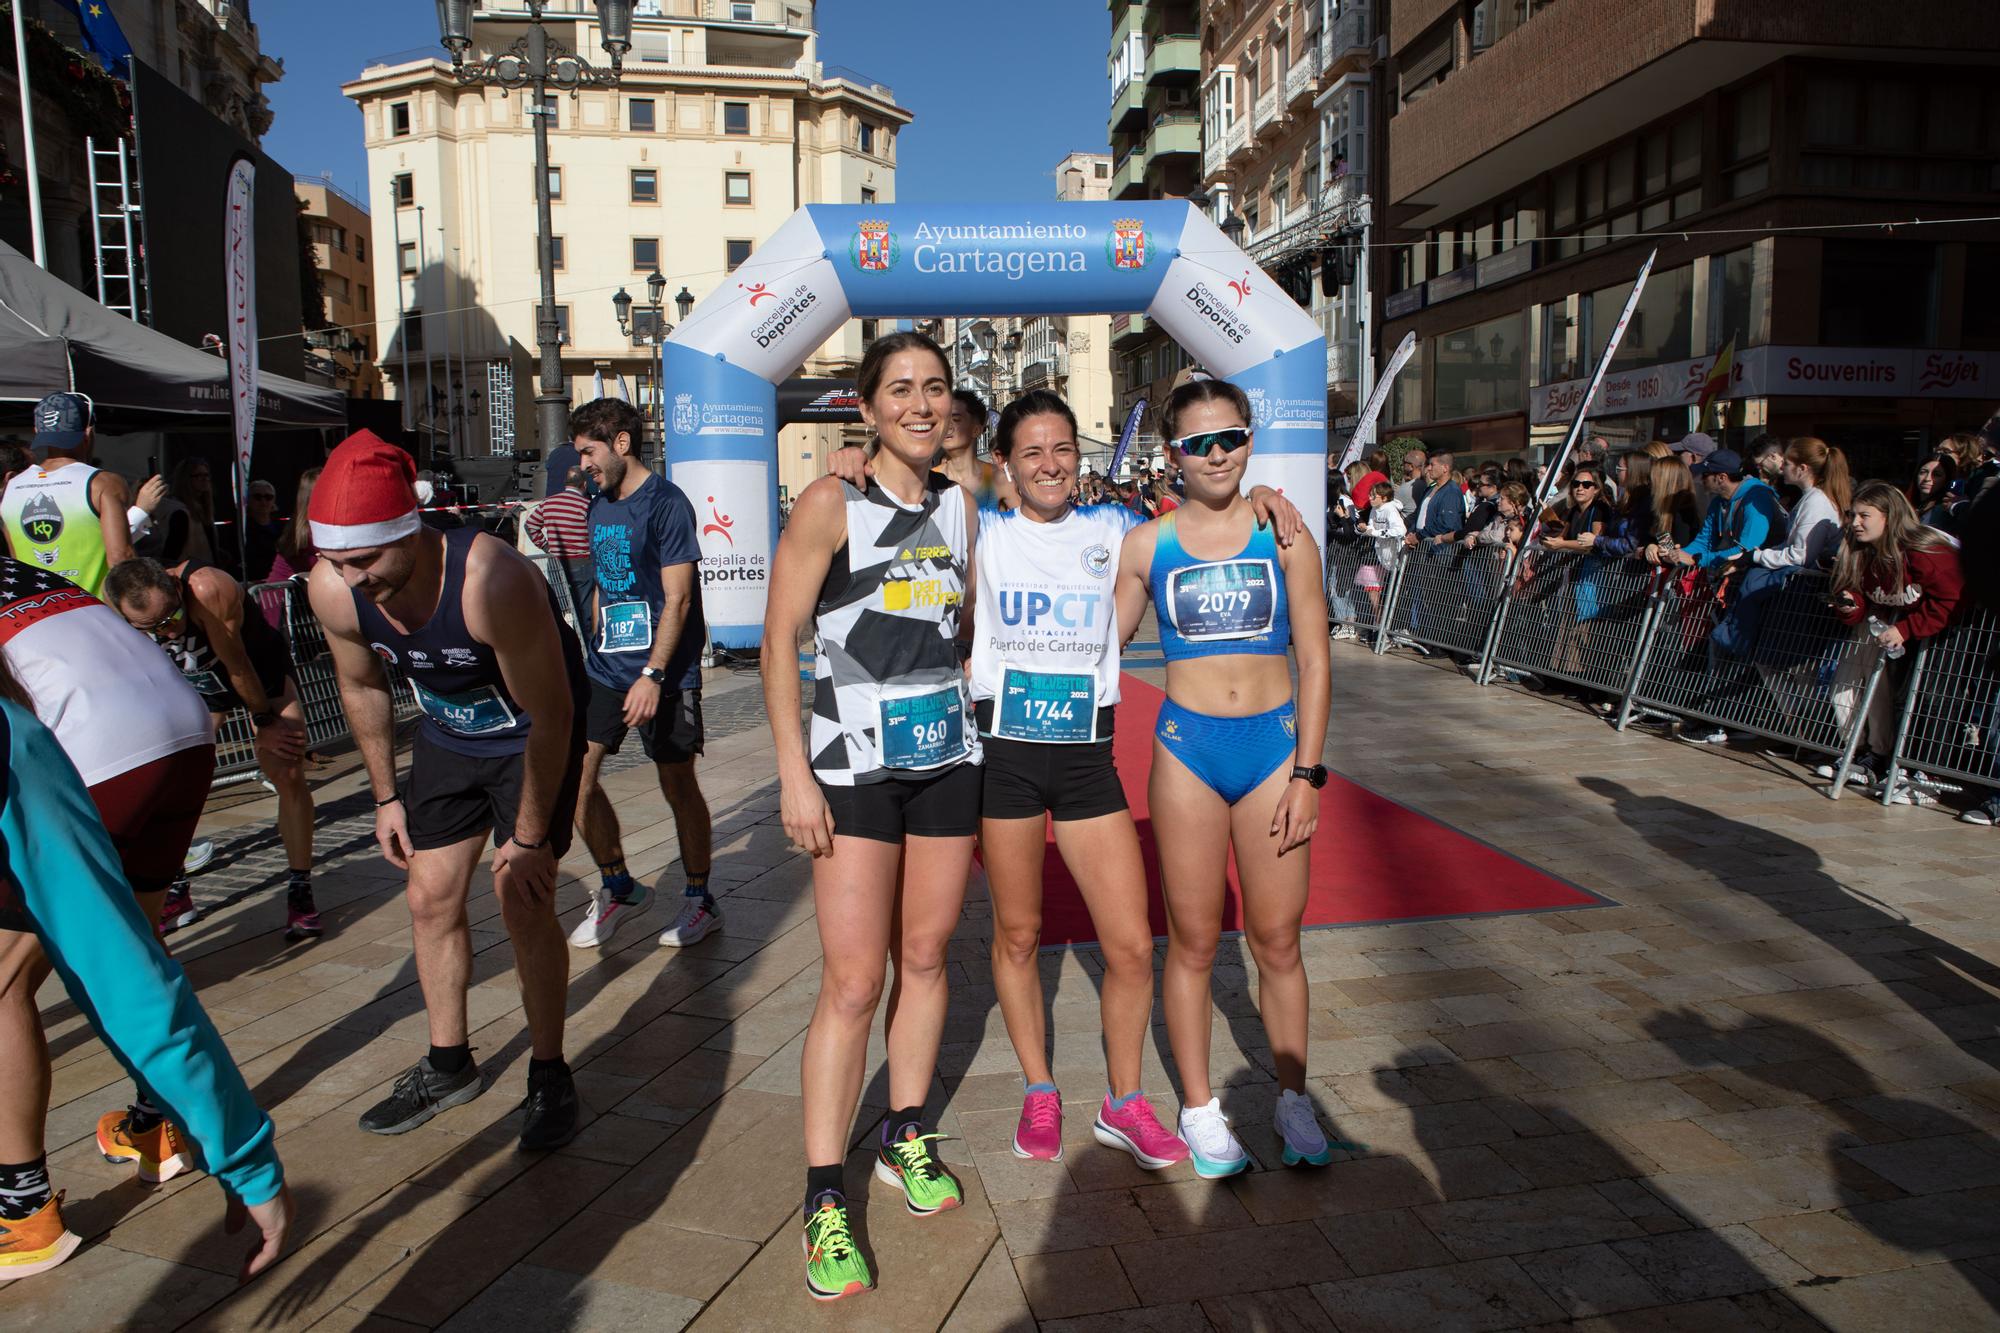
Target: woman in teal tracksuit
column 60, row 880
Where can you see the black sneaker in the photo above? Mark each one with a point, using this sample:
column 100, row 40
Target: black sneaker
column 421, row 1094
column 552, row 1110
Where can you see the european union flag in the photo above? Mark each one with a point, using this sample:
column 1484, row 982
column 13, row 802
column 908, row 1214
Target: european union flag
column 102, row 34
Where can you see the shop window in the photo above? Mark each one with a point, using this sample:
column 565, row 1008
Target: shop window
column 1406, row 397
column 1739, row 297
column 1559, row 358
column 1878, row 294
column 1662, row 328
column 1479, row 370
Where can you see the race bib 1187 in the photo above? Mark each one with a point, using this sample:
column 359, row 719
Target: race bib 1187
column 628, row 628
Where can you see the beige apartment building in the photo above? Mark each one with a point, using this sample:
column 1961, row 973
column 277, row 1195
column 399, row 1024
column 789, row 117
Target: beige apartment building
column 342, row 236
column 725, row 123
column 999, row 358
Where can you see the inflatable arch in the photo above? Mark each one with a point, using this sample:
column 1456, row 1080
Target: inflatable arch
column 828, row 263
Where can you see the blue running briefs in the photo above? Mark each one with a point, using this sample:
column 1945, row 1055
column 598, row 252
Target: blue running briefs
column 1231, row 755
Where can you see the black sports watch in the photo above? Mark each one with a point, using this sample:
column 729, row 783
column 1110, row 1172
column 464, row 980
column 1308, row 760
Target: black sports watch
column 1315, row 774
column 654, row 674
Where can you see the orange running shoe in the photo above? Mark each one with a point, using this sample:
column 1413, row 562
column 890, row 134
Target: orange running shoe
column 36, row 1243
column 160, row 1151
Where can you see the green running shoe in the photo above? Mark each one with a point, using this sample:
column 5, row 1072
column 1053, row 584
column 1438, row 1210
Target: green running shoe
column 907, row 1163
column 834, row 1268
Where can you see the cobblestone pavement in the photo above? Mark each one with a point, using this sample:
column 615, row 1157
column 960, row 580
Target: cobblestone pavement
column 1758, row 1093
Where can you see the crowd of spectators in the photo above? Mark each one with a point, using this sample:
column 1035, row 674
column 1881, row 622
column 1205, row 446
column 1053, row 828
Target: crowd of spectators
column 1897, row 556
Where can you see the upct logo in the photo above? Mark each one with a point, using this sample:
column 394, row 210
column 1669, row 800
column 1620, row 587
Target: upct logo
column 759, row 291
column 1069, row 610
column 719, row 523
column 906, row 594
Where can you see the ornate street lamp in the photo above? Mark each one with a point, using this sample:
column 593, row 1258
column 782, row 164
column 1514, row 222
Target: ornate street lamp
column 539, row 63
column 655, row 331
column 684, row 303
column 1232, row 227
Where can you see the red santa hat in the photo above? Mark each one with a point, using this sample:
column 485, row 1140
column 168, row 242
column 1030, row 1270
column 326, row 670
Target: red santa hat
column 366, row 495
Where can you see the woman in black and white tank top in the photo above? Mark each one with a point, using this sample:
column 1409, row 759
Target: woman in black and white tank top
column 889, row 779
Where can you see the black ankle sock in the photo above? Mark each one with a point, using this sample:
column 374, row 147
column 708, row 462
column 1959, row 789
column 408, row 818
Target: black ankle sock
column 820, row 1179
column 555, row 1066
column 450, row 1059
column 24, row 1188
column 893, row 1126
column 142, row 1115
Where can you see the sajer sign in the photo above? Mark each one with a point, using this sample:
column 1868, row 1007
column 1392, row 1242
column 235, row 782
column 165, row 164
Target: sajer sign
column 830, row 263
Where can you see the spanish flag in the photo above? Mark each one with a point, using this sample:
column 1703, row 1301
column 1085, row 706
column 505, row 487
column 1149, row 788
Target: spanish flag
column 1717, row 381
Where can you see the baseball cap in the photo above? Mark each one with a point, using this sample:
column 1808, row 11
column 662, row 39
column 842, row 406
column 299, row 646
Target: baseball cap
column 1718, row 461
column 1697, row 443
column 61, row 420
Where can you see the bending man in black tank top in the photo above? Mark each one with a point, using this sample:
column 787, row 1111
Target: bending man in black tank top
column 233, row 658
column 497, row 755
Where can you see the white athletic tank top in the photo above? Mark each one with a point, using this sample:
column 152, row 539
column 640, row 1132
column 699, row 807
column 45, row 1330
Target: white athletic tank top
column 112, row 698
column 1047, row 626
column 888, row 691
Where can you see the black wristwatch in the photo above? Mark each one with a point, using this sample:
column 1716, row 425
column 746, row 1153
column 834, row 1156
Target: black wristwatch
column 1315, row 774
column 263, row 719
column 654, row 674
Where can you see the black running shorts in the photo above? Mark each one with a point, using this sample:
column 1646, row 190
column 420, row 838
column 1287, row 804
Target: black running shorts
column 1025, row 780
column 451, row 796
column 944, row 804
column 674, row 736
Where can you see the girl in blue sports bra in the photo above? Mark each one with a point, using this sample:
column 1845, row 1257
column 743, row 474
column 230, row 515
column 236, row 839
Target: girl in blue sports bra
column 1236, row 761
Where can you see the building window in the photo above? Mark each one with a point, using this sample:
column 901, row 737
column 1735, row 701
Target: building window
column 558, row 253
column 734, row 253
column 555, row 182
column 325, row 233
column 1426, row 62
column 742, row 12
column 413, row 330
column 1102, row 170
column 869, row 328
column 867, row 137
column 639, row 114
column 562, row 325
column 1739, row 296
column 1878, row 294
column 645, row 253
column 736, row 187
column 404, row 186
column 867, row 195
column 735, row 117
column 360, row 248
column 408, row 252
column 1746, row 140
column 365, row 307
column 645, row 185
column 399, row 119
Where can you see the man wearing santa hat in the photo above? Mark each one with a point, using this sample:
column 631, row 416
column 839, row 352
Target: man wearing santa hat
column 498, row 754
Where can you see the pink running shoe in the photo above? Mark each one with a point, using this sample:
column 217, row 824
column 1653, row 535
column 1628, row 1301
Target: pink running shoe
column 1039, row 1135
column 1137, row 1131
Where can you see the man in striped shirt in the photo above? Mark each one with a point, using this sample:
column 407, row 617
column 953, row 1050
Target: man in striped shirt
column 560, row 526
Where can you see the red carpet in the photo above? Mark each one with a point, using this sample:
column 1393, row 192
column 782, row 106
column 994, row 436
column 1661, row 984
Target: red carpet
column 1372, row 859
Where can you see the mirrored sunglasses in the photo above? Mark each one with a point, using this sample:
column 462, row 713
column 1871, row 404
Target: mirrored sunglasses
column 1229, row 439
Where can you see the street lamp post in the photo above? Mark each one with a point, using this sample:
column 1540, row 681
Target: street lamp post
column 538, row 63
column 656, row 334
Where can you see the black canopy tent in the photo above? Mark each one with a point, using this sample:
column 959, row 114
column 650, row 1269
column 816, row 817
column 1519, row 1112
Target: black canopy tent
column 52, row 337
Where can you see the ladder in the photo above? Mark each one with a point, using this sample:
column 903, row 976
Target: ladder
column 119, row 229
column 500, row 407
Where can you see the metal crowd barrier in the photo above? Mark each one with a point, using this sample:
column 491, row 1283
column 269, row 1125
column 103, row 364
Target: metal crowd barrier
column 312, row 667
column 1347, row 601
column 1949, row 723
column 1788, row 670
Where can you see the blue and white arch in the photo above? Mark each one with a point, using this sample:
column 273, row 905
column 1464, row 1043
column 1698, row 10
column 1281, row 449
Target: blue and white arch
column 829, row 263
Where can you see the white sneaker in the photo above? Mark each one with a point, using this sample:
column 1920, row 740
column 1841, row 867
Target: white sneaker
column 1344, row 633
column 694, row 923
column 1712, row 736
column 1297, row 1123
column 1213, row 1149
column 1914, row 788
column 606, row 914
column 200, row 852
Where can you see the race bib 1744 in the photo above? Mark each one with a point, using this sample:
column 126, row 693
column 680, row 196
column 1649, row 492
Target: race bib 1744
column 923, row 731
column 1223, row 599
column 1046, row 706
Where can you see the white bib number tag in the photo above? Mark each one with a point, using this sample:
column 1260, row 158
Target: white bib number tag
column 1223, row 599
column 628, row 628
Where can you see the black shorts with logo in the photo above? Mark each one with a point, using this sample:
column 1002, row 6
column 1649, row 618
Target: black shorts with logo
column 943, row 804
column 674, row 736
column 451, row 796
column 1026, row 779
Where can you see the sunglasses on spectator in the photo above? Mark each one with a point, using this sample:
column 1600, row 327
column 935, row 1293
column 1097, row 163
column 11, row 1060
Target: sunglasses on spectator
column 1583, row 485
column 1228, row 439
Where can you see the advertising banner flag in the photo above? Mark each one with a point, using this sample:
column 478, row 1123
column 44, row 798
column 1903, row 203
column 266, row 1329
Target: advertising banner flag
column 240, row 270
column 1132, row 420
column 1364, row 425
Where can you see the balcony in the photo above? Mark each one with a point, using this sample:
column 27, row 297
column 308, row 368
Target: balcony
column 1128, row 177
column 1173, row 136
column 1265, row 116
column 1342, row 361
column 1128, row 107
column 1346, row 35
column 1302, row 79
column 1175, row 59
column 1048, row 368
column 1237, row 142
column 1213, row 156
column 1137, row 329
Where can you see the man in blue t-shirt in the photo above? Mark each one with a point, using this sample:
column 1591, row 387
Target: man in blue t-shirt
column 643, row 638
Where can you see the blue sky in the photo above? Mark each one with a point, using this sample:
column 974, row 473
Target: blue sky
column 1000, row 92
